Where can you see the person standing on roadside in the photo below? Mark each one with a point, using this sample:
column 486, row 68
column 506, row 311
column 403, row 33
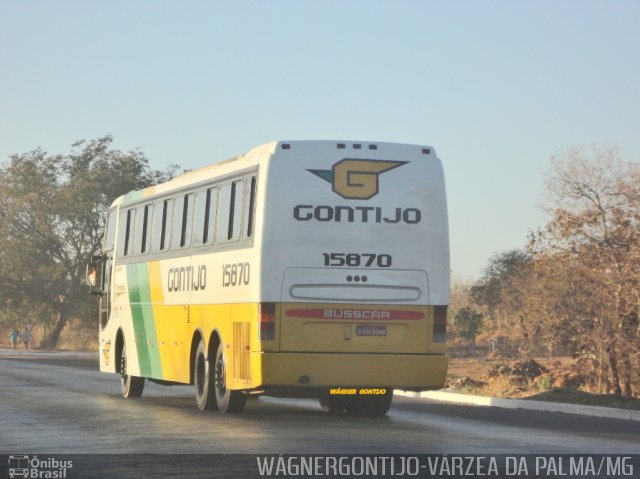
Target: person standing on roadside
column 13, row 338
column 26, row 338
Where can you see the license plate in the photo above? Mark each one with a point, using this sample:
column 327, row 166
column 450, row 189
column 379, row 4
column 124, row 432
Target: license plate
column 370, row 330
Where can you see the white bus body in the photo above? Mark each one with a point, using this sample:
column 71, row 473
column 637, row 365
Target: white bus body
column 299, row 267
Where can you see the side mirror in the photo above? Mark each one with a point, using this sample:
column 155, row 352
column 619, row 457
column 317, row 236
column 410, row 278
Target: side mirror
column 94, row 276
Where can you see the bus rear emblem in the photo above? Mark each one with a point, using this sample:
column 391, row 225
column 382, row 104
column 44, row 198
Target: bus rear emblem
column 356, row 179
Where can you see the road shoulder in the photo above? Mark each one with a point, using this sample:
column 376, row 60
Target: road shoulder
column 567, row 408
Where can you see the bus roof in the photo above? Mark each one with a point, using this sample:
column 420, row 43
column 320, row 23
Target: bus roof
column 251, row 158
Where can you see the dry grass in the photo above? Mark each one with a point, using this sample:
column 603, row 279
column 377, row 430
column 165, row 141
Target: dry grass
column 77, row 338
column 74, row 337
column 472, row 376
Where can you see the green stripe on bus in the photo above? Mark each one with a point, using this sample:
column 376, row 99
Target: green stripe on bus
column 132, row 196
column 143, row 323
column 149, row 320
column 142, row 344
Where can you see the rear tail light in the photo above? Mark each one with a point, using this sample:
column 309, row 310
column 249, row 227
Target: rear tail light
column 267, row 319
column 439, row 324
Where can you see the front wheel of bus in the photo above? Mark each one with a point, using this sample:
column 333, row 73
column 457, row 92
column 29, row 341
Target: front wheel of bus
column 228, row 401
column 203, row 379
column 132, row 386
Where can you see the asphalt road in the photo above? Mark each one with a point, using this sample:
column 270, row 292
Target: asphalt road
column 61, row 404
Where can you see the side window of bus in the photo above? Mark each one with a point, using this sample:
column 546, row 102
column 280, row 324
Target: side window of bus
column 205, row 216
column 249, row 207
column 211, row 215
column 161, row 225
column 230, row 211
column 125, row 240
column 110, row 230
column 141, row 237
column 182, row 221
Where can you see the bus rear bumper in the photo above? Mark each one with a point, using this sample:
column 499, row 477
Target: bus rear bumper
column 403, row 371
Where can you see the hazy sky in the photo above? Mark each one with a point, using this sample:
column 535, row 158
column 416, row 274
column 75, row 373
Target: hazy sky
column 496, row 87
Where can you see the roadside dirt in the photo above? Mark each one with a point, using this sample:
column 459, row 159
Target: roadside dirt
column 539, row 379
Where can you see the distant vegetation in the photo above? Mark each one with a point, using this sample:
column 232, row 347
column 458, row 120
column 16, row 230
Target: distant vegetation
column 574, row 289
column 52, row 211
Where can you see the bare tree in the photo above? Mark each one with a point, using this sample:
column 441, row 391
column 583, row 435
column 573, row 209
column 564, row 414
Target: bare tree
column 588, row 260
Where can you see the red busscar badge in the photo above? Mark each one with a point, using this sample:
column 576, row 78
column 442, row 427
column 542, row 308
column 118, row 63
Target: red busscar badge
column 388, row 315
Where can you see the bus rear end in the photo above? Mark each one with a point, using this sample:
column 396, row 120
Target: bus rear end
column 355, row 272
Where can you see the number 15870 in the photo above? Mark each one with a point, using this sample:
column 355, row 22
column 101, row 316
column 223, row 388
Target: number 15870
column 236, row 274
column 357, row 259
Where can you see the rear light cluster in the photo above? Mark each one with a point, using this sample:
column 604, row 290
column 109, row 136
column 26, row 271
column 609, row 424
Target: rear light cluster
column 439, row 324
column 267, row 318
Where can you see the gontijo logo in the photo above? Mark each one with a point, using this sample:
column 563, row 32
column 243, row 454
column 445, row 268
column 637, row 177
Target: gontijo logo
column 356, row 179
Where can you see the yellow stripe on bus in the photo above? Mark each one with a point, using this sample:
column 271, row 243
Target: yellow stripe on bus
column 170, row 322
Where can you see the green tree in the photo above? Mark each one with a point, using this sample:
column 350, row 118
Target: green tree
column 468, row 323
column 51, row 223
column 498, row 278
column 501, row 295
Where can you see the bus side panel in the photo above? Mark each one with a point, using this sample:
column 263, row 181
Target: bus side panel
column 159, row 335
column 143, row 320
column 173, row 331
column 120, row 321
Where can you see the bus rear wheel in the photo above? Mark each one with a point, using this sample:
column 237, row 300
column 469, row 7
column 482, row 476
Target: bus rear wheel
column 203, row 380
column 132, row 386
column 333, row 405
column 228, row 401
column 370, row 405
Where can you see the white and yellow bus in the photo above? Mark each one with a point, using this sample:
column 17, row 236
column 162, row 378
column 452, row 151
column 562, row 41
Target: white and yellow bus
column 302, row 268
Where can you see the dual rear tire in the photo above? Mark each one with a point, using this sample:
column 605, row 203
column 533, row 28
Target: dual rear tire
column 212, row 392
column 211, row 383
